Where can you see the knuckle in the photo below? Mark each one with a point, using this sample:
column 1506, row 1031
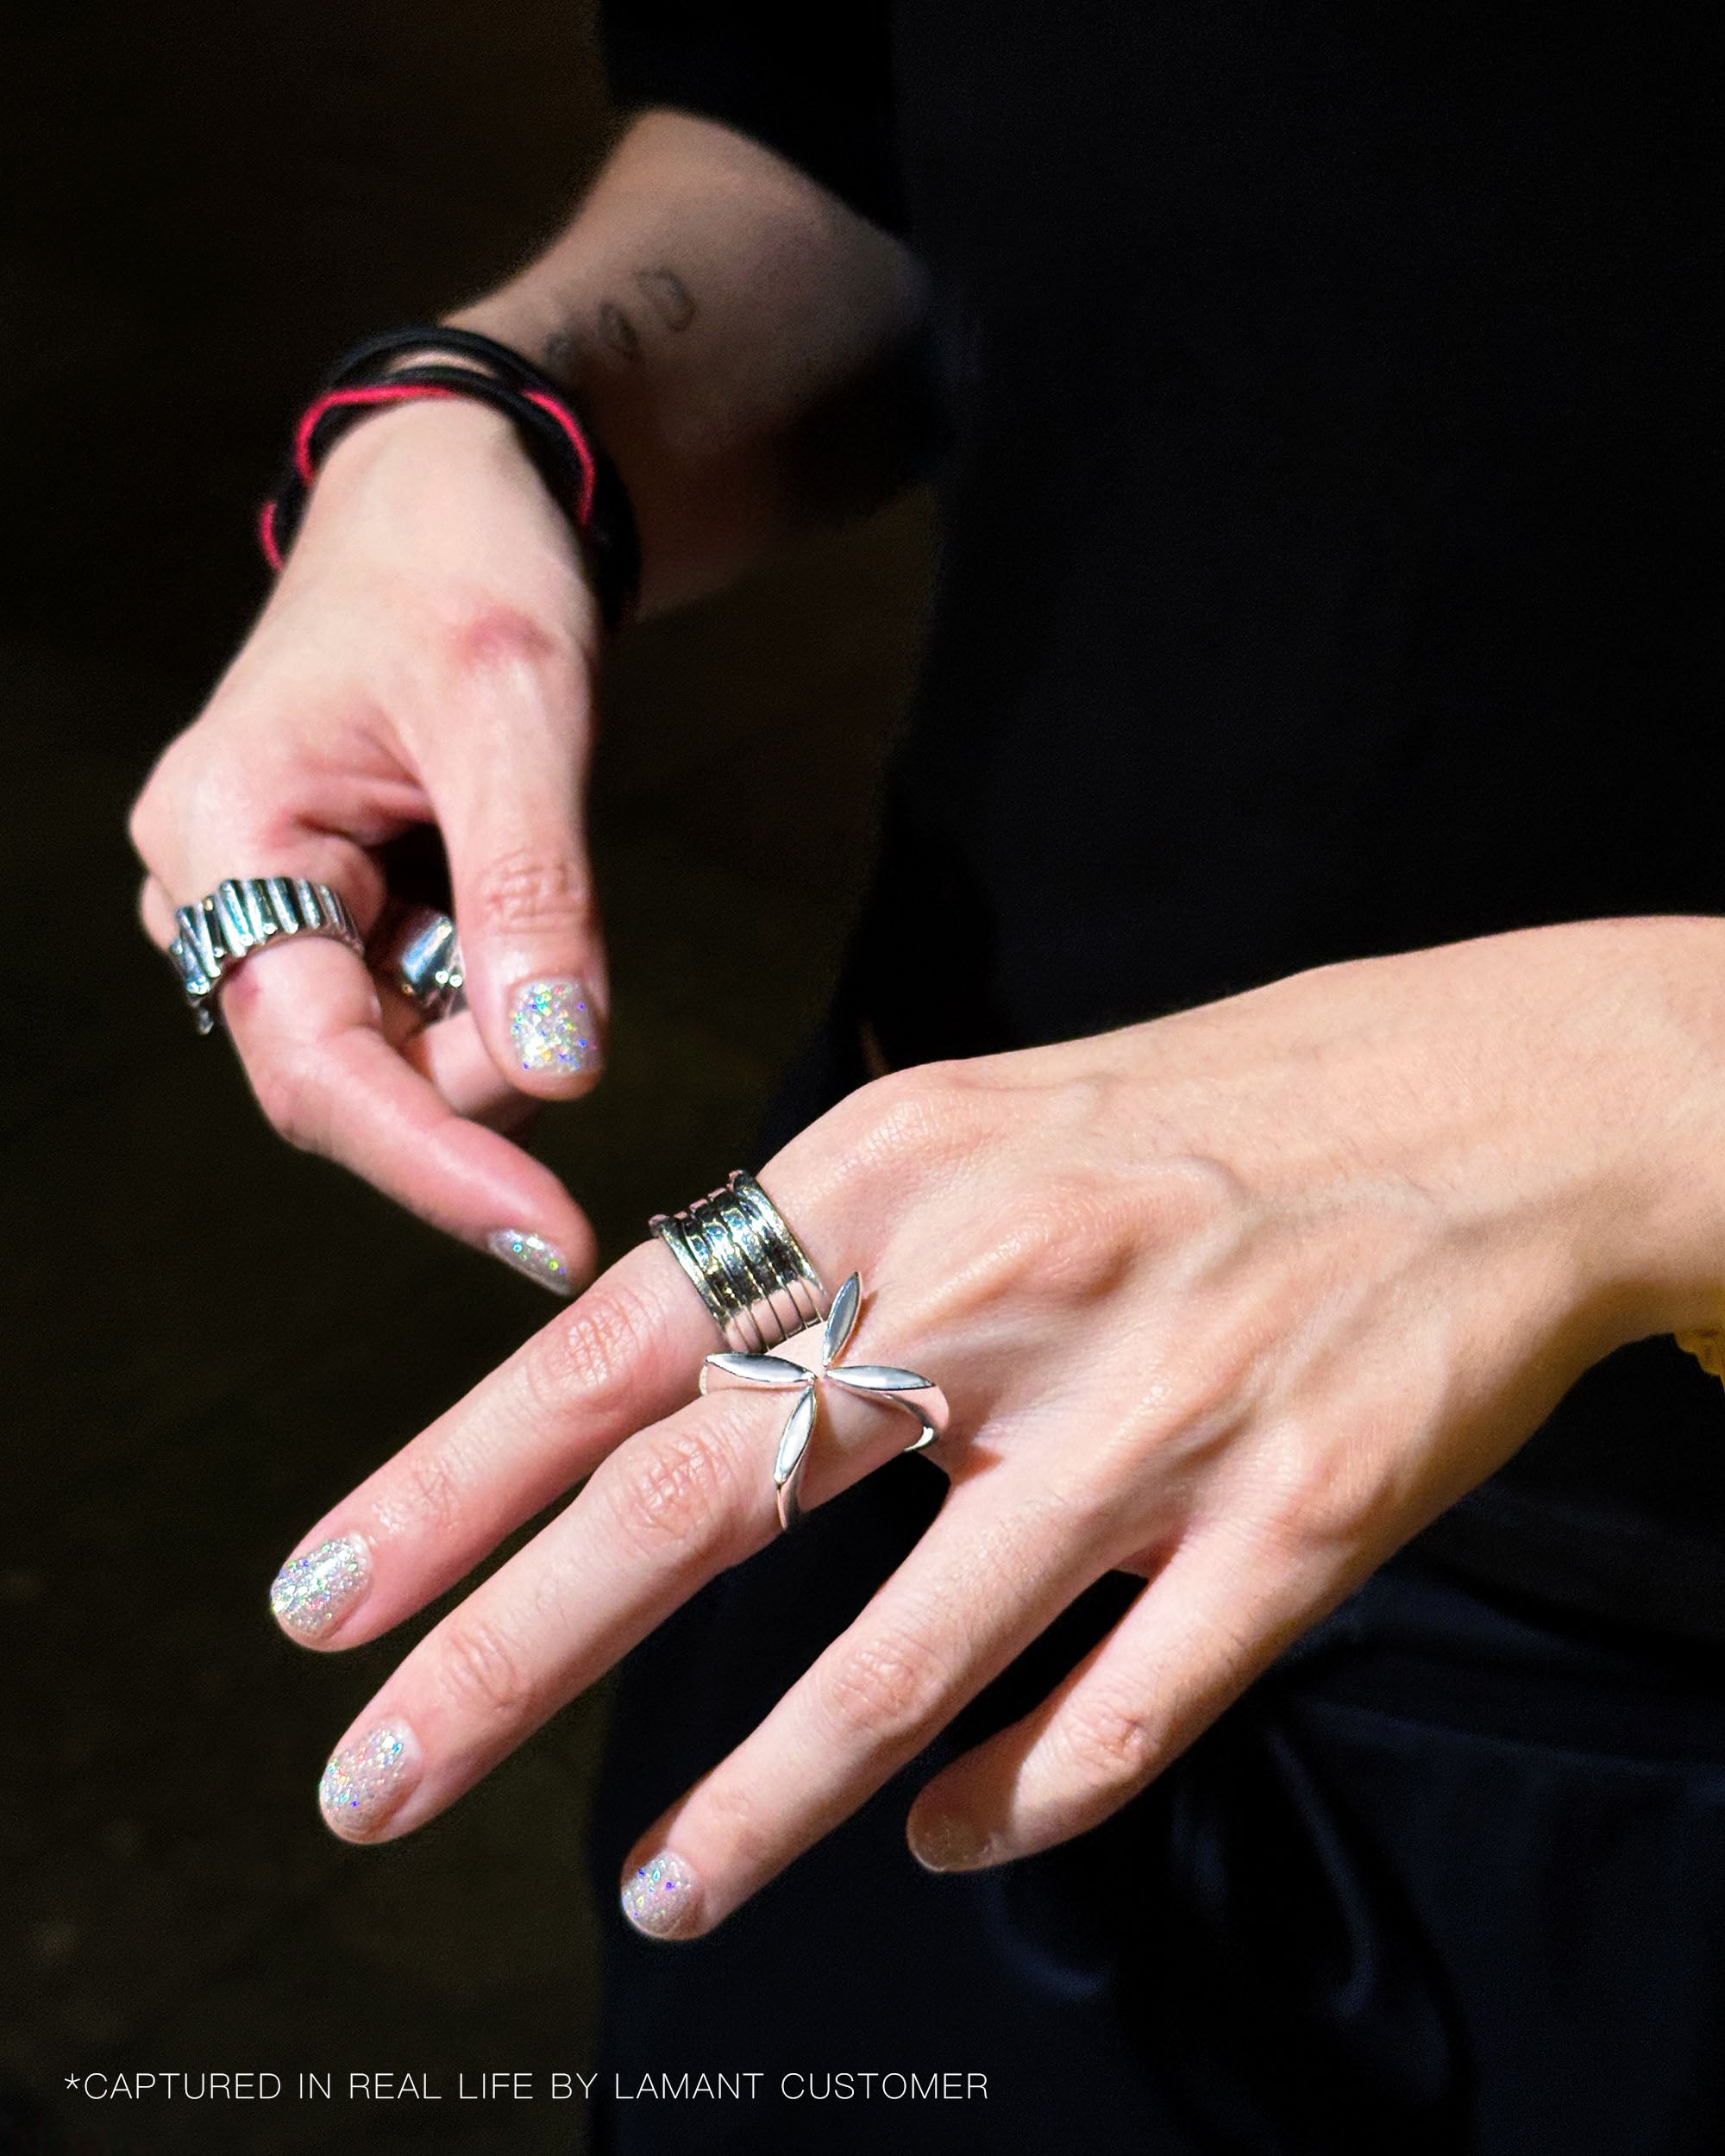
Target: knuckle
column 527, row 889
column 482, row 1672
column 143, row 824
column 1318, row 1491
column 151, row 822
column 593, row 1357
column 1112, row 1744
column 431, row 1495
column 1070, row 1240
column 929, row 1110
column 925, row 1122
column 672, row 1494
column 883, row 1687
column 498, row 638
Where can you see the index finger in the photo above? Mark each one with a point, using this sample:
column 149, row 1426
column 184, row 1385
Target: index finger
column 307, row 1023
column 622, row 1358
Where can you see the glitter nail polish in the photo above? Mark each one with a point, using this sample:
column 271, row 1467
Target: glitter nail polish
column 552, row 1028
column 663, row 1898
column 533, row 1256
column 311, row 1594
column 364, row 1784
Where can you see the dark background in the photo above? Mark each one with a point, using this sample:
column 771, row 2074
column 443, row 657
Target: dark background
column 207, row 1337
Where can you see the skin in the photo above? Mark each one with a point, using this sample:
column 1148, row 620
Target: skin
column 1235, row 1302
column 430, row 653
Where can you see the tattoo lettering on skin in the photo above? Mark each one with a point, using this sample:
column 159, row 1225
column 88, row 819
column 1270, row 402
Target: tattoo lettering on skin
column 560, row 348
column 667, row 296
column 619, row 331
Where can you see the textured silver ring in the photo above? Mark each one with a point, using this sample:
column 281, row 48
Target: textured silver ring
column 420, row 957
column 882, row 1381
column 747, row 1267
column 243, row 915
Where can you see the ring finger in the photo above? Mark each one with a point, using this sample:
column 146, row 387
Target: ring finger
column 659, row 1516
column 307, row 1024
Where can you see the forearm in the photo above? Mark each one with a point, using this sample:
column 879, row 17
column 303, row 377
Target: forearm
column 739, row 337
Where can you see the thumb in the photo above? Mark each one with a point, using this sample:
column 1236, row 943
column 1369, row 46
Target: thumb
column 531, row 945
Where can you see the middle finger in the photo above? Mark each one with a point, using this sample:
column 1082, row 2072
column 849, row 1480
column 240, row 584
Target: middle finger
column 619, row 1359
column 659, row 1516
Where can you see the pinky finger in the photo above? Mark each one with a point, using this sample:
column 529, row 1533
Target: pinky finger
column 1189, row 1647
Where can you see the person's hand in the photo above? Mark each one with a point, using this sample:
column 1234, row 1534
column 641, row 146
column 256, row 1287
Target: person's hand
column 1236, row 1301
column 427, row 657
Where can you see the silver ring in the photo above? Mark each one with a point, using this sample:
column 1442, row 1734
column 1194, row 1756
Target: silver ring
column 747, row 1267
column 242, row 916
column 421, row 959
column 882, row 1381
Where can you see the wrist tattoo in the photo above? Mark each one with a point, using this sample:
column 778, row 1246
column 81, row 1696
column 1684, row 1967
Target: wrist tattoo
column 664, row 292
column 667, row 296
column 619, row 331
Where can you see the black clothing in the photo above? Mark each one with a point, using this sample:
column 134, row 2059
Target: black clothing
column 1329, row 570
column 1331, row 559
column 1449, row 1882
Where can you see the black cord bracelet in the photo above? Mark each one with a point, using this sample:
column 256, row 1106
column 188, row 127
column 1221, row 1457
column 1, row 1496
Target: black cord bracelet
column 578, row 475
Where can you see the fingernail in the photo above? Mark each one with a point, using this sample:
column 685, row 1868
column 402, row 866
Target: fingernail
column 313, row 1594
column 533, row 1256
column 552, row 1028
column 663, row 1898
column 363, row 1784
column 947, row 1843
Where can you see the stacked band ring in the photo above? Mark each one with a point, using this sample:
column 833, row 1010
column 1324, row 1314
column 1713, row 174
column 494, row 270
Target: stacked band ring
column 747, row 1267
column 761, row 1290
column 242, row 916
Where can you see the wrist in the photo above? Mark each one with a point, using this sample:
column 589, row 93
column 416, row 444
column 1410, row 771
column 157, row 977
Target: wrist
column 443, row 497
column 442, row 367
column 1651, row 1067
column 452, row 436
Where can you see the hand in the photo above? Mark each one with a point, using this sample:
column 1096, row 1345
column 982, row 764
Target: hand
column 427, row 657
column 1235, row 1302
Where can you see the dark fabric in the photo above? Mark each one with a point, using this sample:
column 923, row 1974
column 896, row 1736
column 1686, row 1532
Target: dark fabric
column 813, row 84
column 1451, row 1879
column 1330, row 541
column 1330, row 567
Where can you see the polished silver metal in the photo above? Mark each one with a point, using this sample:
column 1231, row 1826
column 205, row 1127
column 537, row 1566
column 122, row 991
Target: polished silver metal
column 747, row 1267
column 243, row 915
column 883, row 1382
column 420, row 957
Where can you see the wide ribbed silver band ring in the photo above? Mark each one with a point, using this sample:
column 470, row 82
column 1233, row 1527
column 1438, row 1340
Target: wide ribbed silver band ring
column 747, row 1267
column 243, row 915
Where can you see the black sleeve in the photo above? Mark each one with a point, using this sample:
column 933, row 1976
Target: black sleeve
column 813, row 84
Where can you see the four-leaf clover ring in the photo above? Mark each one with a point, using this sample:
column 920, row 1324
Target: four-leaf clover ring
column 873, row 1380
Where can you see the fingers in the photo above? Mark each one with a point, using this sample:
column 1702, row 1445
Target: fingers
column 155, row 911
column 510, row 794
column 407, row 1115
column 1210, row 1622
column 661, row 1515
column 451, row 1055
column 688, row 1496
column 305, row 1021
column 629, row 1353
column 984, row 1581
column 625, row 1354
